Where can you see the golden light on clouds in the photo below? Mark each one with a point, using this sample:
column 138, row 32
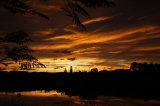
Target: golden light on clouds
column 114, row 38
column 95, row 56
column 91, row 38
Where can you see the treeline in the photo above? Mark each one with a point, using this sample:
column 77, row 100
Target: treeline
column 138, row 84
column 144, row 67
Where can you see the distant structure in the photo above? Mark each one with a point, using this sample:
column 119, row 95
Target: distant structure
column 95, row 70
column 26, row 66
column 65, row 70
column 71, row 70
column 31, row 65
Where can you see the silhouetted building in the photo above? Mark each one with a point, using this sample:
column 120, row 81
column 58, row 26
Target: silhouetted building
column 71, row 70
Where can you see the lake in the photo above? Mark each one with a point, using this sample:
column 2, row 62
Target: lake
column 53, row 98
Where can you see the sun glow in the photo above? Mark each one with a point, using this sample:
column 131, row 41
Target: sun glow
column 81, row 64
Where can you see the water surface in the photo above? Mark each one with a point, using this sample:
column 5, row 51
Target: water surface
column 53, row 98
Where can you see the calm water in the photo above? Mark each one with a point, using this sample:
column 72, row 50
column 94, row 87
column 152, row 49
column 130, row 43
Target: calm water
column 52, row 98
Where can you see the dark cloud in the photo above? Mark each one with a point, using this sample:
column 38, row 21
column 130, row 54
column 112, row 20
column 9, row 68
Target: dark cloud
column 63, row 51
column 71, row 59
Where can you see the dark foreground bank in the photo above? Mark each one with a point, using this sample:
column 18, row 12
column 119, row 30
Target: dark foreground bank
column 137, row 84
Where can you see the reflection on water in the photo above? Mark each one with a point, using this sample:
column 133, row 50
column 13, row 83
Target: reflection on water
column 53, row 98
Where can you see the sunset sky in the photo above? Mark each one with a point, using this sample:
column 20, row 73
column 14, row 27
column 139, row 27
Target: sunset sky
column 115, row 36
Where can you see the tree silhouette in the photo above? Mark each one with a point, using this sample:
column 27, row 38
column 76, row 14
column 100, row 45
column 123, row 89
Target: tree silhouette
column 144, row 66
column 19, row 37
column 72, row 8
column 134, row 66
column 15, row 49
column 20, row 6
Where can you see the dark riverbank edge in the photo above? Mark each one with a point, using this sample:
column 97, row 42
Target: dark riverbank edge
column 134, row 84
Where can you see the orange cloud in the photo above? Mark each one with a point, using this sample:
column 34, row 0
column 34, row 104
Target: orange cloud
column 95, row 20
column 79, row 38
column 147, row 48
column 44, row 32
column 111, row 55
